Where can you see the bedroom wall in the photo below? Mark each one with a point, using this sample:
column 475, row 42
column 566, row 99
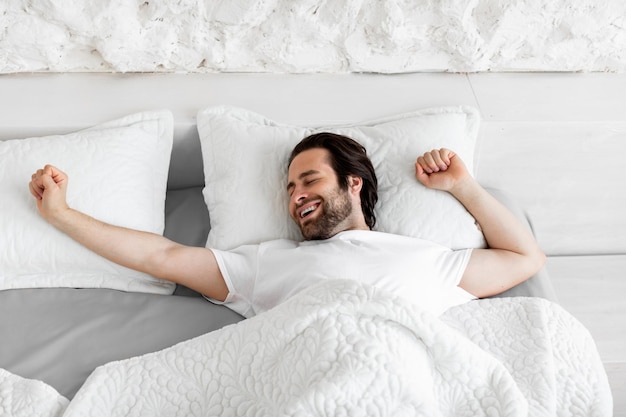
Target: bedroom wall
column 390, row 36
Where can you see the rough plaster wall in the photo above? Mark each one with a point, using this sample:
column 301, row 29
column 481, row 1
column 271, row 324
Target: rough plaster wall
column 312, row 36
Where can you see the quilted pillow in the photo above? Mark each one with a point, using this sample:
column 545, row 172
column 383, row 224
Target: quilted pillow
column 245, row 164
column 117, row 173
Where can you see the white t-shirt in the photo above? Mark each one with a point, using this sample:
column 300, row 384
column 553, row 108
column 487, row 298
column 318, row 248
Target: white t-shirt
column 262, row 276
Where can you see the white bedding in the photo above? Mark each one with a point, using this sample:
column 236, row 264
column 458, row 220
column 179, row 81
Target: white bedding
column 21, row 397
column 118, row 174
column 343, row 348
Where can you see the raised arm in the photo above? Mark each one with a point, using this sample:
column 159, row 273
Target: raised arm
column 153, row 254
column 513, row 255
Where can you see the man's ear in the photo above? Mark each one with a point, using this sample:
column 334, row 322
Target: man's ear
column 355, row 183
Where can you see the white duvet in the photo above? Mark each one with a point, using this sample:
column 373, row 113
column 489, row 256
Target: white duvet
column 346, row 349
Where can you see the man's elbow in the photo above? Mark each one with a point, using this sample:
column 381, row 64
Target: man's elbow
column 530, row 264
column 160, row 263
column 541, row 259
column 536, row 261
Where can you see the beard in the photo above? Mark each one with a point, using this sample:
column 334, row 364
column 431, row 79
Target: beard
column 334, row 210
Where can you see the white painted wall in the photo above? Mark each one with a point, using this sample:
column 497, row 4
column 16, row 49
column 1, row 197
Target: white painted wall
column 391, row 36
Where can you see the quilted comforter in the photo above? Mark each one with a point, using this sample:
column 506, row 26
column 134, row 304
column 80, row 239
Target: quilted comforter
column 347, row 349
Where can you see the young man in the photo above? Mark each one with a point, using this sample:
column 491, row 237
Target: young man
column 332, row 191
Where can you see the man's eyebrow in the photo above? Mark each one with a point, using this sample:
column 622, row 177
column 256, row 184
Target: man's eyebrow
column 301, row 176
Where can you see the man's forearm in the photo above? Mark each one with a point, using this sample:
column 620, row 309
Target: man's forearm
column 501, row 228
column 146, row 252
column 130, row 248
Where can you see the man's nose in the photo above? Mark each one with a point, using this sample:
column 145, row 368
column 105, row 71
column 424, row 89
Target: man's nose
column 298, row 195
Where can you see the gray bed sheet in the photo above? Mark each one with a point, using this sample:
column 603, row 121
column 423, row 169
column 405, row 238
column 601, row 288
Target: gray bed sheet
column 60, row 335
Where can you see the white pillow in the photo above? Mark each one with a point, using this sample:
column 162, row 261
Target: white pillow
column 117, row 173
column 245, row 164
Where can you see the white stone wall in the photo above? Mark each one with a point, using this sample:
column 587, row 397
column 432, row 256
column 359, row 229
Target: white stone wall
column 388, row 36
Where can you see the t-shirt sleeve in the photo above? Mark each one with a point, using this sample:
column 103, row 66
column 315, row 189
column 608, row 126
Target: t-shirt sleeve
column 453, row 263
column 239, row 269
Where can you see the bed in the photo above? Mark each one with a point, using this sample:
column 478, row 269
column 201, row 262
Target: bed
column 82, row 337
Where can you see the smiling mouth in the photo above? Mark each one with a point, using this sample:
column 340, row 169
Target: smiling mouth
column 307, row 211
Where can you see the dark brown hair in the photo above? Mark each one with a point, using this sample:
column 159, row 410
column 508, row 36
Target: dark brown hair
column 347, row 157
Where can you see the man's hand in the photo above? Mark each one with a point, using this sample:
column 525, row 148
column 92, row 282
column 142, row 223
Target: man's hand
column 49, row 187
column 513, row 255
column 441, row 169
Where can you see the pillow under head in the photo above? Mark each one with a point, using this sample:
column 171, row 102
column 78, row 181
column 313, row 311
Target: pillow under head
column 245, row 163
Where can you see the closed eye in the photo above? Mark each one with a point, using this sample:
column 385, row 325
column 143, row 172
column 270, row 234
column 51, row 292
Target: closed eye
column 292, row 187
column 305, row 177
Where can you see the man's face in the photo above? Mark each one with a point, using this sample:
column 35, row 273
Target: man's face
column 318, row 205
